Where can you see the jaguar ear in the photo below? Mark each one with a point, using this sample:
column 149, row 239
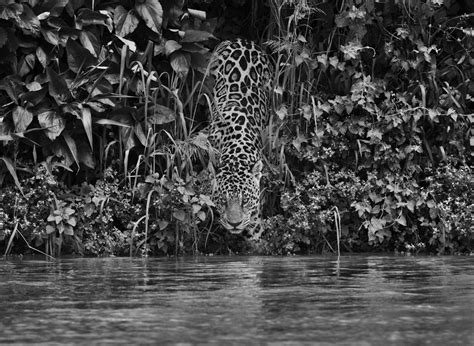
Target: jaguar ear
column 257, row 170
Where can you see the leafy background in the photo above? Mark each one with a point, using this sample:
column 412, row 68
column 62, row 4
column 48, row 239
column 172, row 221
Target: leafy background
column 104, row 114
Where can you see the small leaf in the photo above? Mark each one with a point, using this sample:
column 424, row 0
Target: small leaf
column 72, row 221
column 159, row 114
column 180, row 62
column 151, row 12
column 196, row 36
column 68, row 230
column 53, row 124
column 402, row 220
column 21, row 118
column 179, row 215
column 171, row 46
column 125, row 22
column 49, row 229
column 162, row 224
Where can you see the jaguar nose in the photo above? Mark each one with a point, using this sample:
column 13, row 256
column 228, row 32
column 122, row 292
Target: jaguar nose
column 234, row 224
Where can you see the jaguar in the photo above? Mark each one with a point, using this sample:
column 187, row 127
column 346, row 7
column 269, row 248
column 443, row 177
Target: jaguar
column 242, row 76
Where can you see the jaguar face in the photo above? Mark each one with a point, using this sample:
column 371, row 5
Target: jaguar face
column 238, row 199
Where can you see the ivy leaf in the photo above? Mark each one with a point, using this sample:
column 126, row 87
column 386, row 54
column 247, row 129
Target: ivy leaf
column 151, row 12
column 21, row 118
column 53, row 124
column 125, row 22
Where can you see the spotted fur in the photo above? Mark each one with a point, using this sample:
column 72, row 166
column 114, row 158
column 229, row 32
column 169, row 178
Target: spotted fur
column 240, row 96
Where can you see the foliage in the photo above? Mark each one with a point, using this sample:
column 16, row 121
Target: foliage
column 103, row 142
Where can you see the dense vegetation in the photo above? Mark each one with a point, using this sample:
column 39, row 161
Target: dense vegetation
column 104, row 110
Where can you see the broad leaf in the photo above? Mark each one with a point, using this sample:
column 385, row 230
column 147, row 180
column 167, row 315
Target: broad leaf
column 21, row 118
column 159, row 115
column 125, row 21
column 179, row 215
column 90, row 42
column 151, row 12
column 10, row 11
column 71, row 144
column 52, row 122
column 29, row 22
column 180, row 62
column 54, row 7
column 171, row 46
column 58, row 87
column 89, row 17
column 196, row 36
column 78, row 58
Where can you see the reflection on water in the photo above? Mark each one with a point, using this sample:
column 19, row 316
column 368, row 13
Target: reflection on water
column 362, row 300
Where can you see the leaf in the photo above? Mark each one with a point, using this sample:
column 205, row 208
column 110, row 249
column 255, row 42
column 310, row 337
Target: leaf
column 42, row 56
column 196, row 208
column 111, row 122
column 72, row 221
column 171, row 46
column 58, row 87
column 125, row 22
column 87, row 123
column 201, row 215
column 90, row 42
column 53, row 124
column 180, row 62
column 50, row 229
column 401, row 220
column 179, row 215
column 21, row 118
column 11, row 169
column 88, row 17
column 159, row 115
column 71, row 144
column 54, row 7
column 196, row 36
column 10, row 11
column 67, row 229
column 29, row 22
column 151, row 12
column 162, row 224
column 78, row 58
column 206, row 200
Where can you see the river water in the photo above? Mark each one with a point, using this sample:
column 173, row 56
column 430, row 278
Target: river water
column 358, row 300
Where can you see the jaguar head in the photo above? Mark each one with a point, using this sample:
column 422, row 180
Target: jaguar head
column 238, row 199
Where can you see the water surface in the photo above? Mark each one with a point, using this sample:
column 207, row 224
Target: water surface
column 360, row 300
